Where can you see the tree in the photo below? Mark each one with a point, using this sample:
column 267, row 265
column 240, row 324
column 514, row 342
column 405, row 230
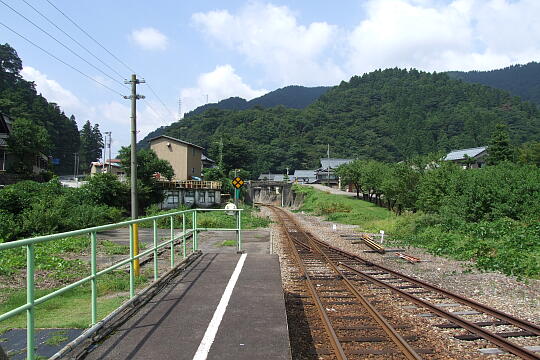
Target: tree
column 10, row 63
column 27, row 141
column 499, row 149
column 148, row 164
column 106, row 189
column 529, row 153
column 91, row 142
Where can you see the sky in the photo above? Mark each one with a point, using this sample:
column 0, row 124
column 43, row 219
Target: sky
column 199, row 51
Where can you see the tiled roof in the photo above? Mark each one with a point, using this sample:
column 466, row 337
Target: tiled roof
column 177, row 140
column 304, row 173
column 206, row 158
column 271, row 177
column 333, row 163
column 460, row 154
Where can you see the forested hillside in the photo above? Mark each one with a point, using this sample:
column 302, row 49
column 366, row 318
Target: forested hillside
column 19, row 100
column 519, row 80
column 387, row 115
column 295, row 97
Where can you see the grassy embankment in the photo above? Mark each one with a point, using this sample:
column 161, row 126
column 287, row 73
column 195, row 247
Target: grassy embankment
column 55, row 266
column 504, row 245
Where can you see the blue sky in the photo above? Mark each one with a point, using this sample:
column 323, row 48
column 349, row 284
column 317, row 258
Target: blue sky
column 188, row 49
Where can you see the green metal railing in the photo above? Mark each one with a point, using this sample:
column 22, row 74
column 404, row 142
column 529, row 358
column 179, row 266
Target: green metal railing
column 32, row 302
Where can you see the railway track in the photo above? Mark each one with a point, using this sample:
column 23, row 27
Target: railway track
column 342, row 291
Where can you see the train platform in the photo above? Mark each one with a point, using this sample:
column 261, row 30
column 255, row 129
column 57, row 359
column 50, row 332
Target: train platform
column 223, row 306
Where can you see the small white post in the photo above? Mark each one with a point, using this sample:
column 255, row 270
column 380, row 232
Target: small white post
column 382, row 236
column 334, row 227
column 271, row 242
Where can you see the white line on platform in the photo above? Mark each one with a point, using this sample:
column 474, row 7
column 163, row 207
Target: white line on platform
column 211, row 331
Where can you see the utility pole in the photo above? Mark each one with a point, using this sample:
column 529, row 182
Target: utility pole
column 328, row 168
column 236, row 190
column 134, row 241
column 110, row 140
column 75, row 165
column 105, row 150
column 134, row 97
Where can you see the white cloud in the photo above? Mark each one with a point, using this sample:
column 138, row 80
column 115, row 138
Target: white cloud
column 430, row 35
column 112, row 116
column 52, row 90
column 270, row 36
column 219, row 84
column 149, row 38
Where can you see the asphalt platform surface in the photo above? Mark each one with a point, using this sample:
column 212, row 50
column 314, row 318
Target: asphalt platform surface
column 173, row 323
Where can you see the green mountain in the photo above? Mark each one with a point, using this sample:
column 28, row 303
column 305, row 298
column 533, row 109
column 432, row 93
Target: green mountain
column 19, row 99
column 294, row 97
column 519, row 80
column 386, row 115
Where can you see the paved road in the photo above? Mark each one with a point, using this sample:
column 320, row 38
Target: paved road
column 331, row 190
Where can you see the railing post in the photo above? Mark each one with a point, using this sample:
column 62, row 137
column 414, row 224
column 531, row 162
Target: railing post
column 155, row 251
column 30, row 301
column 93, row 267
column 184, row 234
column 131, row 263
column 194, row 232
column 172, row 241
column 238, row 229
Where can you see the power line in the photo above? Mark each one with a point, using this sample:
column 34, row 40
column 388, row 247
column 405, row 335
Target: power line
column 61, row 43
column 114, row 56
column 60, row 60
column 74, row 40
column 87, row 34
column 161, row 101
column 151, row 107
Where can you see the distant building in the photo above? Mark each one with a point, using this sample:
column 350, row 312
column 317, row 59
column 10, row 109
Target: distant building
column 207, row 163
column 187, row 161
column 271, row 177
column 326, row 173
column 185, row 158
column 190, row 192
column 304, row 176
column 115, row 168
column 473, row 158
column 6, row 158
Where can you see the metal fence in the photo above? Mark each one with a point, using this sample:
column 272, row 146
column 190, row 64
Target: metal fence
column 132, row 259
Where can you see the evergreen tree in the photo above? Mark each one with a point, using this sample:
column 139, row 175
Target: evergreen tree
column 97, row 140
column 499, row 149
column 91, row 142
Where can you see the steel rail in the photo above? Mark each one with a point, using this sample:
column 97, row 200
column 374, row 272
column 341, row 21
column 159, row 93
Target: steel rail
column 523, row 324
column 478, row 330
column 392, row 333
column 336, row 345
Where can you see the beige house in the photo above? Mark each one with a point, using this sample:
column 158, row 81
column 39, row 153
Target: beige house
column 114, row 166
column 184, row 157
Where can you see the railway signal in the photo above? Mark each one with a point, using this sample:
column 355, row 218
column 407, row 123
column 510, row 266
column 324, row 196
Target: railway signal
column 237, row 182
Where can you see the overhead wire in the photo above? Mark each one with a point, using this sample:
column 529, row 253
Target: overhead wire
column 161, row 101
column 74, row 40
column 60, row 60
column 61, row 43
column 115, row 57
column 90, row 36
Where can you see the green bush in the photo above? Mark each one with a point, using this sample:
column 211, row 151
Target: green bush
column 504, row 245
column 29, row 209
